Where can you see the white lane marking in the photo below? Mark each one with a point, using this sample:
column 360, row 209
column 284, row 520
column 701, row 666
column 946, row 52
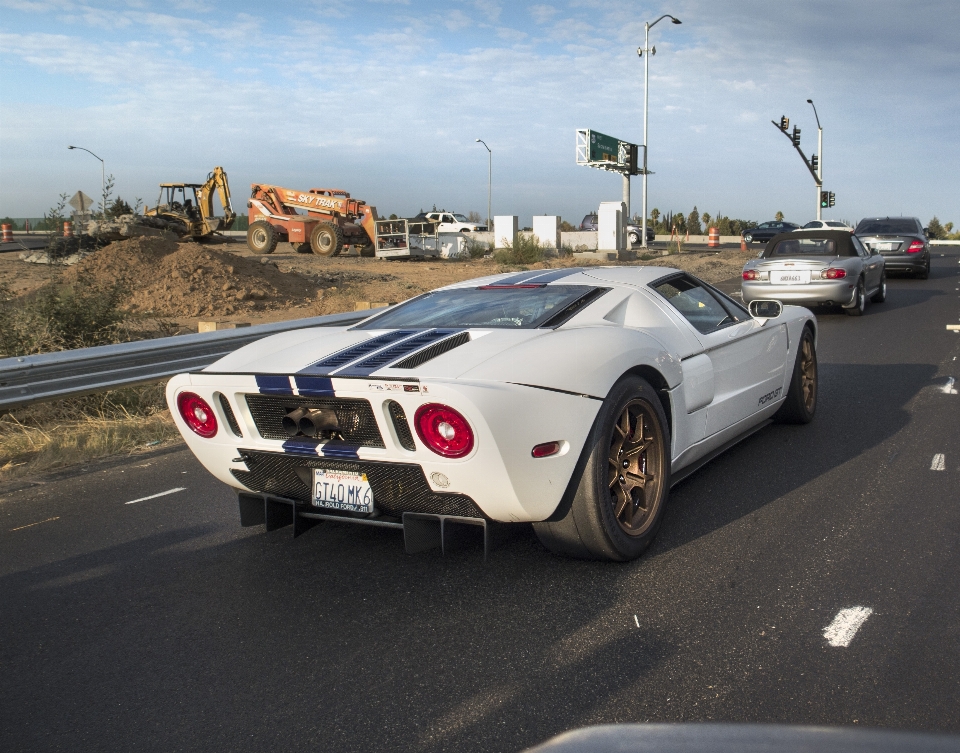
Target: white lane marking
column 939, row 462
column 31, row 525
column 154, row 496
column 845, row 625
column 954, row 327
column 636, row 620
column 948, row 388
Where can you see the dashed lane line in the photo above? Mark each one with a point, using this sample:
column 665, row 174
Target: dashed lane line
column 31, row 525
column 948, row 388
column 939, row 462
column 845, row 625
column 154, row 496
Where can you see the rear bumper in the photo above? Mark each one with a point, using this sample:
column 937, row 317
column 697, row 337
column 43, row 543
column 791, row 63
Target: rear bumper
column 829, row 291
column 906, row 263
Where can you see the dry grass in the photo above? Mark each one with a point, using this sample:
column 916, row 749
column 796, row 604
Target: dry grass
column 63, row 433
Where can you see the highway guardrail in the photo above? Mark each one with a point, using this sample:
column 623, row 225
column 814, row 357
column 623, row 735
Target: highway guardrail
column 71, row 373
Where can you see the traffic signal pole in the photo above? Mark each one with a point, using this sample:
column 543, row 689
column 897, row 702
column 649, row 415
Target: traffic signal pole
column 815, row 163
column 820, row 165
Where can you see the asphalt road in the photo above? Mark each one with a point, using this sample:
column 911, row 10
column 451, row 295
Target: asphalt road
column 162, row 625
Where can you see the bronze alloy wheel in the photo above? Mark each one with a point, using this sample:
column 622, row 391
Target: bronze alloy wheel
column 808, row 375
column 635, row 467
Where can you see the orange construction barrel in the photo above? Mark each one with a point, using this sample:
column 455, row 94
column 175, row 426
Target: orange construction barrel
column 8, row 233
column 714, row 240
column 68, row 229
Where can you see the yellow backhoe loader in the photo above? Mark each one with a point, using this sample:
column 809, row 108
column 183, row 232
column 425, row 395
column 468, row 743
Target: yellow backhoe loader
column 191, row 205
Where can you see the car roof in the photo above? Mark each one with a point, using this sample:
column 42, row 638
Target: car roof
column 842, row 237
column 593, row 276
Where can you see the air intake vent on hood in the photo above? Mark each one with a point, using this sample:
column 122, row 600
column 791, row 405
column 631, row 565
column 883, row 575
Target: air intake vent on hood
column 433, row 351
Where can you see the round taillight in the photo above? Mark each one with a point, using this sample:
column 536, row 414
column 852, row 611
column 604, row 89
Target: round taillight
column 443, row 430
column 198, row 414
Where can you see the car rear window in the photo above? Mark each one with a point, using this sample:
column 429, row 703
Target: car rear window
column 488, row 307
column 836, row 224
column 887, row 227
column 803, row 247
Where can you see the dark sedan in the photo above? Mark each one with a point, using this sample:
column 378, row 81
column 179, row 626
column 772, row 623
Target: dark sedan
column 766, row 230
column 902, row 241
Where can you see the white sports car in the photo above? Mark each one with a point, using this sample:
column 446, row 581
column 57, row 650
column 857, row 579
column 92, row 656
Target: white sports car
column 568, row 398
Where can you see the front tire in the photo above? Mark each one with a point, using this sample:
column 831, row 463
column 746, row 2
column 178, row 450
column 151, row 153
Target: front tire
column 326, row 239
column 800, row 405
column 619, row 501
column 748, row 238
column 860, row 304
column 262, row 238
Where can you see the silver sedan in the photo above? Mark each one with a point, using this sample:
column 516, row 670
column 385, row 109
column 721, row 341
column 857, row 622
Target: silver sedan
column 825, row 267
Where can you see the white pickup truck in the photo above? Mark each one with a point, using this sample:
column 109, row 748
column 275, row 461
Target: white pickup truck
column 450, row 222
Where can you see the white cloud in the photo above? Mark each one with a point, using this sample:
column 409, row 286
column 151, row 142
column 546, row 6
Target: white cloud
column 543, row 13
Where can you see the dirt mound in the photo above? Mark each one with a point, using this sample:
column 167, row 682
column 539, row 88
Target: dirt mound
column 188, row 279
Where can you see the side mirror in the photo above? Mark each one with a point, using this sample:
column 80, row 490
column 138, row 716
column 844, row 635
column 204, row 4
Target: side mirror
column 765, row 309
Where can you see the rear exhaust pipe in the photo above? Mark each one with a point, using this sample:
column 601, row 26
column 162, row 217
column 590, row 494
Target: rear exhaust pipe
column 291, row 422
column 314, row 422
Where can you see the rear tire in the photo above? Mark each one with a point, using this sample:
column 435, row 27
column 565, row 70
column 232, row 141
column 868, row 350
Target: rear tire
column 881, row 295
column 634, row 239
column 621, row 495
column 326, row 239
column 800, row 405
column 925, row 274
column 262, row 238
column 861, row 301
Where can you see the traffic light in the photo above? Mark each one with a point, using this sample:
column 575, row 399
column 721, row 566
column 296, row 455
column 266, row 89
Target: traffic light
column 814, row 162
column 824, row 199
column 796, row 136
column 784, row 123
column 632, row 160
column 830, row 195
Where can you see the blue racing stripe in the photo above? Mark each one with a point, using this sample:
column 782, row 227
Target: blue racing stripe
column 300, row 447
column 345, row 356
column 310, row 386
column 339, row 451
column 396, row 352
column 268, row 384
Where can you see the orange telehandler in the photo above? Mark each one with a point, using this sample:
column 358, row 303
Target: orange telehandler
column 332, row 220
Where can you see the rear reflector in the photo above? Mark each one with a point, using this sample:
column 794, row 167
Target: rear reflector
column 833, row 273
column 545, row 450
column 916, row 247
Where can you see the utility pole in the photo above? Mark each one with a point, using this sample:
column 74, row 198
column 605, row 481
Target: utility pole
column 645, row 52
column 815, row 163
column 820, row 163
column 489, row 184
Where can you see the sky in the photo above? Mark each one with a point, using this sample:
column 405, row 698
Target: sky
column 385, row 99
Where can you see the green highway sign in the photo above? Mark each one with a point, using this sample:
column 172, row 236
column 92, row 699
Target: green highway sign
column 604, row 148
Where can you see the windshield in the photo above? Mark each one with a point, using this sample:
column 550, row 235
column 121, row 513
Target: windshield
column 886, row 227
column 803, row 247
column 508, row 307
column 460, row 218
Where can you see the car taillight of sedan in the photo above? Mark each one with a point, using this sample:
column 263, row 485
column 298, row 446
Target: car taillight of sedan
column 915, row 247
column 833, row 273
column 752, row 274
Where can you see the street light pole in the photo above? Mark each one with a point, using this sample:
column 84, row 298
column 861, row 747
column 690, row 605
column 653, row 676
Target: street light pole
column 103, row 180
column 489, row 184
column 645, row 51
column 820, row 158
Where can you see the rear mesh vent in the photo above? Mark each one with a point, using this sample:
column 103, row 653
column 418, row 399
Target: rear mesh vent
column 401, row 425
column 433, row 351
column 228, row 412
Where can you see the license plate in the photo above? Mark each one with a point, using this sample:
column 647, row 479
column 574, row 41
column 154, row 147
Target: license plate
column 790, row 278
column 886, row 246
column 341, row 490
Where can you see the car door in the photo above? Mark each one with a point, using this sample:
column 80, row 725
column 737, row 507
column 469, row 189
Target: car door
column 872, row 264
column 748, row 356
